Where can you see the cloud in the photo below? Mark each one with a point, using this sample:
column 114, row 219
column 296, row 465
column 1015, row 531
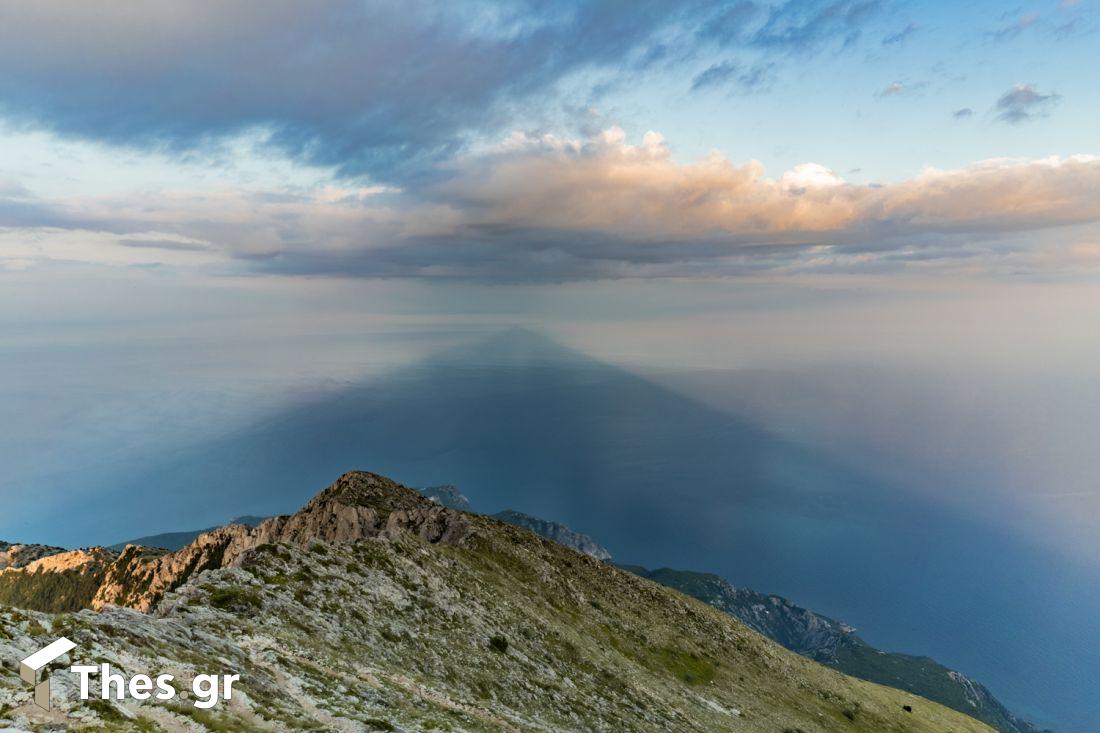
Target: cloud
column 794, row 26
column 12, row 190
column 729, row 74
column 1016, row 27
column 383, row 89
column 731, row 24
column 898, row 88
column 901, row 36
column 1024, row 102
column 387, row 91
column 800, row 26
column 545, row 207
column 166, row 243
column 24, row 248
column 639, row 192
column 963, row 113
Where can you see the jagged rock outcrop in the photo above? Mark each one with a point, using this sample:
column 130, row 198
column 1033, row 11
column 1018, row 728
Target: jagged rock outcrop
column 358, row 506
column 59, row 562
column 17, row 555
column 557, row 532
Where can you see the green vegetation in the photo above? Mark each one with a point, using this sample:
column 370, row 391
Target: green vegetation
column 235, row 599
column 801, row 631
column 214, row 722
column 52, row 592
column 107, row 712
column 690, row 668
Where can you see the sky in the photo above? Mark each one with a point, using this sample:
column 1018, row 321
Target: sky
column 550, row 142
column 871, row 227
column 206, row 207
column 896, row 186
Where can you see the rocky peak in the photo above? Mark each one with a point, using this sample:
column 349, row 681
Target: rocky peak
column 365, row 489
column 59, row 562
column 17, row 555
column 359, row 505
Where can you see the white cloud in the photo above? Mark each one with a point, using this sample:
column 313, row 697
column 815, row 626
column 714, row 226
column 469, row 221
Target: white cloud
column 554, row 207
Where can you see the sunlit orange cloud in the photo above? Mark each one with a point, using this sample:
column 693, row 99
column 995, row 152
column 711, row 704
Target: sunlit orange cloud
column 639, row 191
column 558, row 208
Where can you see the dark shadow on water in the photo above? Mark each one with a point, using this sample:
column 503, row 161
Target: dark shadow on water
column 518, row 421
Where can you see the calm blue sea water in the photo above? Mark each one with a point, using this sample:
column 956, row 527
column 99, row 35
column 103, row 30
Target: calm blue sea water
column 662, row 481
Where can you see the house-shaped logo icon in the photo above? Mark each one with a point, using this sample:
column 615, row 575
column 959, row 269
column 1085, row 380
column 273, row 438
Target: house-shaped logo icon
column 30, row 669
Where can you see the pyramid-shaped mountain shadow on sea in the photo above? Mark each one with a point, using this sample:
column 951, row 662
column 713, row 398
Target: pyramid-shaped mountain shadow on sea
column 514, row 416
column 519, row 421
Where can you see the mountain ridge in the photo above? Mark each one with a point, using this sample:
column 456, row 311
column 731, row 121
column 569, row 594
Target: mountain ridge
column 15, row 555
column 373, row 608
column 348, row 510
column 837, row 645
column 358, row 505
column 555, row 531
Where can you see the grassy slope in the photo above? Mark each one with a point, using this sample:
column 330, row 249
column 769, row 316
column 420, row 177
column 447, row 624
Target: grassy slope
column 919, row 675
column 511, row 632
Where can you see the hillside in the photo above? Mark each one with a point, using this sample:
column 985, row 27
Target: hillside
column 836, row 644
column 375, row 609
column 555, row 531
